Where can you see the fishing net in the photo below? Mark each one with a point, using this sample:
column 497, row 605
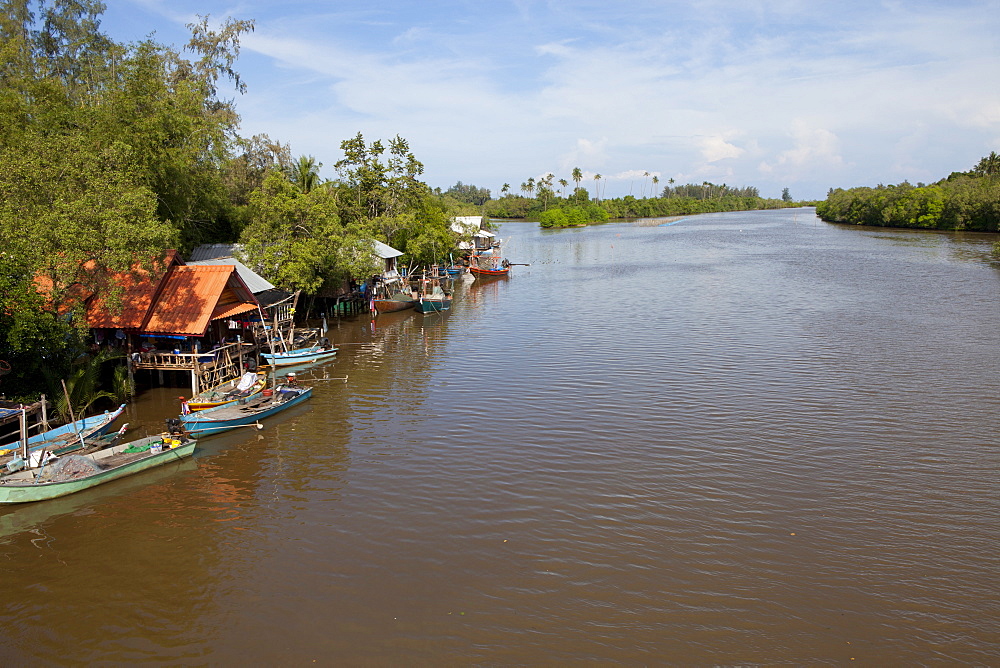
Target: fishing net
column 70, row 467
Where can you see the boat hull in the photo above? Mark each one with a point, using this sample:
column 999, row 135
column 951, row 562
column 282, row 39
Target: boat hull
column 392, row 305
column 489, row 272
column 433, row 305
column 298, row 356
column 204, row 401
column 21, row 488
column 221, row 419
column 61, row 437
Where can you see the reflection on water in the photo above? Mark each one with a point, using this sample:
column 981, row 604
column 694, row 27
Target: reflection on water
column 740, row 438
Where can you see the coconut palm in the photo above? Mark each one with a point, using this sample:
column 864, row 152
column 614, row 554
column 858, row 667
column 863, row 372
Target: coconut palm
column 597, row 186
column 988, row 166
column 305, row 173
column 505, row 189
column 577, row 176
column 652, row 191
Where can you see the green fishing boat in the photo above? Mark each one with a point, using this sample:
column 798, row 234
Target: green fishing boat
column 76, row 472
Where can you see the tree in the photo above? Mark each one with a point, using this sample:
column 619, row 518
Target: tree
column 652, row 190
column 597, row 188
column 305, row 173
column 563, row 183
column 988, row 166
column 785, row 196
column 577, row 176
column 505, row 189
column 377, row 188
column 296, row 239
column 469, row 194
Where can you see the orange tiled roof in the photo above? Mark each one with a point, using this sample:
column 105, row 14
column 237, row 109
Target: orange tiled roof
column 140, row 289
column 193, row 296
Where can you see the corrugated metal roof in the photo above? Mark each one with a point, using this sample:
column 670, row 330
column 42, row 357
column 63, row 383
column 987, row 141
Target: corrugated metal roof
column 213, row 252
column 253, row 280
column 385, row 251
column 466, row 224
column 190, row 297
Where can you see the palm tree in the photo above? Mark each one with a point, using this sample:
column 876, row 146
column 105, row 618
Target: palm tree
column 671, row 182
column 577, row 176
column 82, row 385
column 505, row 189
column 597, row 186
column 989, row 165
column 563, row 183
column 305, row 173
column 645, row 175
column 524, row 188
column 531, row 185
column 652, row 191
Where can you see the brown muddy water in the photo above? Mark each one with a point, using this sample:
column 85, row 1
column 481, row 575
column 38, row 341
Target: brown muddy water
column 736, row 439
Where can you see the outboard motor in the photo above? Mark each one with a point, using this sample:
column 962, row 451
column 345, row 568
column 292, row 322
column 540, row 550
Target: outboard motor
column 251, row 364
column 324, row 343
column 176, row 428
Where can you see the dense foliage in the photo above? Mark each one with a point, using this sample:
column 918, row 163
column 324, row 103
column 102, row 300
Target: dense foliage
column 112, row 153
column 963, row 201
column 578, row 207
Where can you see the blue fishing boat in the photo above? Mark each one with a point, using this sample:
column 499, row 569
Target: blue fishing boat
column 299, row 355
column 84, row 429
column 244, row 413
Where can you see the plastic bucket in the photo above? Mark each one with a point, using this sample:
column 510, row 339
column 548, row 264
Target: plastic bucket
column 267, row 392
column 155, row 448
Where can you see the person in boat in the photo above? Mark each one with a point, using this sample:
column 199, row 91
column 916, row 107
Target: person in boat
column 324, row 343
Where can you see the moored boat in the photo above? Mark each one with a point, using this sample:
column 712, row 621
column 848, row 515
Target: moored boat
column 300, row 355
column 251, row 384
column 390, row 297
column 79, row 432
column 242, row 413
column 434, row 298
column 76, row 472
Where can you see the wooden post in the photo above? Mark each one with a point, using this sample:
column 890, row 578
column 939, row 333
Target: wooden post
column 291, row 327
column 23, row 423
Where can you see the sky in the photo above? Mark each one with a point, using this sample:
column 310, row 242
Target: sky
column 800, row 94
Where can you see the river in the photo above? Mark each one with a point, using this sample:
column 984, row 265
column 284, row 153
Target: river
column 732, row 439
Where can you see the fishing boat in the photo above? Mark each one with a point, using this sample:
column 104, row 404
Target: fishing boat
column 488, row 264
column 80, row 432
column 486, row 271
column 245, row 412
column 68, row 474
column 484, row 260
column 389, row 297
column 251, row 384
column 300, row 355
column 433, row 297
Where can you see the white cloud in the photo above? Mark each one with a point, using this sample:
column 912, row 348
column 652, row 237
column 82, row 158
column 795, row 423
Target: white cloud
column 752, row 93
column 716, row 148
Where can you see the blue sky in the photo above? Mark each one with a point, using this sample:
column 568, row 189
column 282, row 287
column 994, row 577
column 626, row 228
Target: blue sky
column 803, row 94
